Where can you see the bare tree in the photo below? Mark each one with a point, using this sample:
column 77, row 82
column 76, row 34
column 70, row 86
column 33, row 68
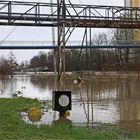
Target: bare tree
column 122, row 37
column 99, row 54
column 5, row 67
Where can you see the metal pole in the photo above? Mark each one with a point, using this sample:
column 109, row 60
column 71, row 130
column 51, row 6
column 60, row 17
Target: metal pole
column 55, row 51
column 61, row 42
column 54, row 57
column 9, row 12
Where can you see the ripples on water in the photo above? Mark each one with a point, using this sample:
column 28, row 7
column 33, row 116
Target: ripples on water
column 113, row 102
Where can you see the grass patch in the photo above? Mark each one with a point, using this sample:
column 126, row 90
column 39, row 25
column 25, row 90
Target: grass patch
column 13, row 128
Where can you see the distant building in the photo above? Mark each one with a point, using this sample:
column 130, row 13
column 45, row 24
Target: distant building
column 135, row 53
column 127, row 3
column 134, row 3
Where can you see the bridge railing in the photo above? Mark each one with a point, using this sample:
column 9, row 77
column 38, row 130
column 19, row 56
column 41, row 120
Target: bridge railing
column 34, row 43
column 77, row 15
column 69, row 43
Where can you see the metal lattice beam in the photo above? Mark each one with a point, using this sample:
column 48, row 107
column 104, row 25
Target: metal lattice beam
column 61, row 15
column 39, row 14
column 70, row 47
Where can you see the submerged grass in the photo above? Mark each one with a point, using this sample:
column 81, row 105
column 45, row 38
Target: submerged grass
column 13, row 128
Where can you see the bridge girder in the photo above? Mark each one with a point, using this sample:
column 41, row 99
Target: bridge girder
column 76, row 15
column 20, row 47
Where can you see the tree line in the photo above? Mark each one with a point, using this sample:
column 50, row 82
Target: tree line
column 89, row 59
column 85, row 59
column 99, row 59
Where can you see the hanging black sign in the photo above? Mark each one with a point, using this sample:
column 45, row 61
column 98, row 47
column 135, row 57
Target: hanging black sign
column 61, row 100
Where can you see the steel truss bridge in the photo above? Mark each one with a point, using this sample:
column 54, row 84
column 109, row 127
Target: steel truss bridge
column 19, row 45
column 66, row 17
column 73, row 15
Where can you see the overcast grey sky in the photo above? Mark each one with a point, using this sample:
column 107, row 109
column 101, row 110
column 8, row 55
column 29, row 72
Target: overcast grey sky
column 44, row 33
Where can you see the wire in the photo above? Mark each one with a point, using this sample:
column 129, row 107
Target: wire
column 8, row 35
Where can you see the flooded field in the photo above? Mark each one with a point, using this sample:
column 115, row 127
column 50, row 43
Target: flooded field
column 111, row 101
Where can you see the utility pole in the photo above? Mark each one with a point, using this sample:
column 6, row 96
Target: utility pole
column 54, row 51
column 61, row 8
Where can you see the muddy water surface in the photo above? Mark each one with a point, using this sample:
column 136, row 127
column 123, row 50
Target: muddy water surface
column 115, row 101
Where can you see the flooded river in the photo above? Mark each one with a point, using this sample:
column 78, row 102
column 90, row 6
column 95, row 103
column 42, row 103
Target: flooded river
column 115, row 101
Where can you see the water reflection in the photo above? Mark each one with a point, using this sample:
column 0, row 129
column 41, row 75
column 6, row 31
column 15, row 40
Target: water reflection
column 62, row 120
column 115, row 102
column 130, row 116
column 7, row 85
column 43, row 83
column 129, row 106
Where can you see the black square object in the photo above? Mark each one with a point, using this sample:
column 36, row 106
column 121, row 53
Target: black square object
column 61, row 100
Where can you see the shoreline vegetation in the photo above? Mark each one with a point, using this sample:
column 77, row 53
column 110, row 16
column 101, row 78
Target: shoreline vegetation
column 12, row 126
column 103, row 76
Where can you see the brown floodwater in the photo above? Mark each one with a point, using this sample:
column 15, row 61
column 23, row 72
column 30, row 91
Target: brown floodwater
column 116, row 101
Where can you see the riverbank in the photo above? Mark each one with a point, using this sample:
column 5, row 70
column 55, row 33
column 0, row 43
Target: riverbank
column 13, row 128
column 103, row 76
column 132, row 75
